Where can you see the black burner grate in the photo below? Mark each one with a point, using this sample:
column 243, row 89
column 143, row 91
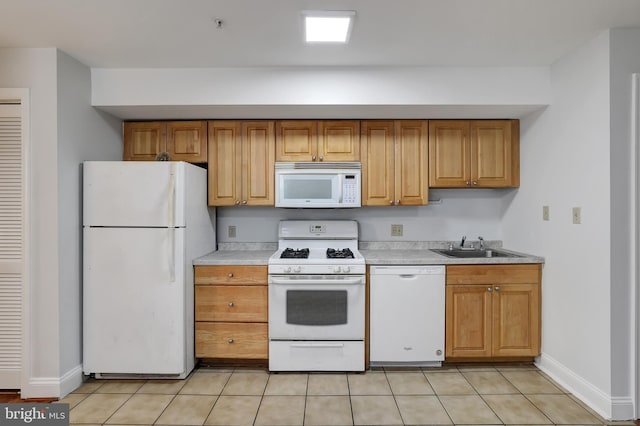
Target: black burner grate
column 290, row 253
column 339, row 253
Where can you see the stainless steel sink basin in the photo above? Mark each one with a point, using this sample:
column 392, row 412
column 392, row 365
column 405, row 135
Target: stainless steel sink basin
column 460, row 253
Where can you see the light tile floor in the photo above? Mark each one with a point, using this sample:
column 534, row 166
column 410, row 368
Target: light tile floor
column 470, row 395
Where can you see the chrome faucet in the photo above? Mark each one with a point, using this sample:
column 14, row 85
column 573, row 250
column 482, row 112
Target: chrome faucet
column 481, row 243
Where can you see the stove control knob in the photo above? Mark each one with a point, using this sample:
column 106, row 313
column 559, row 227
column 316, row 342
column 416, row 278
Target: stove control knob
column 337, row 269
column 347, row 269
column 297, row 269
column 287, row 269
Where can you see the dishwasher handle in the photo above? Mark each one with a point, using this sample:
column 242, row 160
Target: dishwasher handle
column 408, row 270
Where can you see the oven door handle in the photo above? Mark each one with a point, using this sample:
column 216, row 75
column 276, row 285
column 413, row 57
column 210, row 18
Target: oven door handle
column 350, row 281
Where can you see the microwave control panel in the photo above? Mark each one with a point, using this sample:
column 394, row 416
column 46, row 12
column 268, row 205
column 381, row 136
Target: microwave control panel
column 350, row 188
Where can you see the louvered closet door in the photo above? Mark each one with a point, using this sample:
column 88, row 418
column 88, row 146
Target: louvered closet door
column 11, row 245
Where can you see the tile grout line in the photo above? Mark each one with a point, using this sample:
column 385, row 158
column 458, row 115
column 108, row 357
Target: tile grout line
column 217, row 397
column 394, row 397
column 435, row 393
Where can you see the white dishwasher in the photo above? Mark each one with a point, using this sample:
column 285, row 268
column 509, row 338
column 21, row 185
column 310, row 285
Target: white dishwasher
column 407, row 315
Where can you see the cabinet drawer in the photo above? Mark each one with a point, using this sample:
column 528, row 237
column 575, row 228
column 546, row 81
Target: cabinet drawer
column 494, row 274
column 234, row 274
column 231, row 303
column 232, row 340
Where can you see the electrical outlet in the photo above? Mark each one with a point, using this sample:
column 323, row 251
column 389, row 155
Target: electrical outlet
column 231, row 231
column 577, row 215
column 396, row 230
column 545, row 212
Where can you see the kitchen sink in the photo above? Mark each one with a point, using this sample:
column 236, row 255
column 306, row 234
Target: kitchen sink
column 464, row 253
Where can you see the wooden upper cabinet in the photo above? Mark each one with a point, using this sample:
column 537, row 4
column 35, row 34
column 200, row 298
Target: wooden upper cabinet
column 449, row 153
column 241, row 163
column 143, row 140
column 182, row 140
column 296, row 140
column 187, row 141
column 339, row 140
column 377, row 148
column 411, row 162
column 476, row 153
column 394, row 162
column 258, row 163
column 224, row 162
column 317, row 140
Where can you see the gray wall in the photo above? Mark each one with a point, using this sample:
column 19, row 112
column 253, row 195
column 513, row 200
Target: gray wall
column 625, row 60
column 84, row 133
column 461, row 212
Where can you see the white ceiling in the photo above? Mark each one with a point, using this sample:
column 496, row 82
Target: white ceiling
column 255, row 33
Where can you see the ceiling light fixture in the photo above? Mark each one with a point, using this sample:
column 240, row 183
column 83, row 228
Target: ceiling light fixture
column 328, row 26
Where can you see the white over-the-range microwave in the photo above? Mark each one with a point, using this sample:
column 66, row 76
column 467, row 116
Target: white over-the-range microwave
column 318, row 185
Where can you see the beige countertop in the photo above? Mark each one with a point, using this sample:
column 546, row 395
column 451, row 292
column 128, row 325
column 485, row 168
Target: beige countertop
column 412, row 253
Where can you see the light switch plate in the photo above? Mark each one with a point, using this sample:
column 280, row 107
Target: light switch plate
column 396, row 230
column 231, row 231
column 545, row 212
column 577, row 215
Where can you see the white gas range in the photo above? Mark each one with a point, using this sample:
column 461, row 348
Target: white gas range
column 317, row 298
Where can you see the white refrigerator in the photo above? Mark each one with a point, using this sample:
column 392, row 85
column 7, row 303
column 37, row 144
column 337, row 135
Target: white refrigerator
column 143, row 224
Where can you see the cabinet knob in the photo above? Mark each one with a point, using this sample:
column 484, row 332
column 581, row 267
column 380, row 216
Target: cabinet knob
column 230, row 341
column 230, row 274
column 313, row 157
column 237, row 202
column 231, row 304
column 475, row 182
column 489, row 289
column 321, row 158
column 398, row 202
column 468, row 183
column 391, row 202
column 497, row 288
column 244, row 202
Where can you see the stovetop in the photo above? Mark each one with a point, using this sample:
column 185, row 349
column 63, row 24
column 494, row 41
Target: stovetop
column 317, row 247
column 303, row 253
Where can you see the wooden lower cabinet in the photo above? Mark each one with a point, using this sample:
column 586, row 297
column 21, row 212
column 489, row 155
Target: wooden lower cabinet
column 231, row 312
column 493, row 311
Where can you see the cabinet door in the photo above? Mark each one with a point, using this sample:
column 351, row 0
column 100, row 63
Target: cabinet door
column 143, row 140
column 187, row 141
column 339, row 140
column 297, row 140
column 491, row 153
column 258, row 151
column 468, row 321
column 411, row 187
column 516, row 320
column 449, row 151
column 377, row 145
column 225, row 167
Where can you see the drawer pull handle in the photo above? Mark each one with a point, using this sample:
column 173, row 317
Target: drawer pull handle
column 230, row 275
column 231, row 304
column 230, row 341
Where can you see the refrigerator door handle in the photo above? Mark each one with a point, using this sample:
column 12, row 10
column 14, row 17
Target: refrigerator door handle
column 171, row 228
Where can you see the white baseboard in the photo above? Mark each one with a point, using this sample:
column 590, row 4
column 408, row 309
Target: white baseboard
column 71, row 381
column 54, row 387
column 610, row 408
